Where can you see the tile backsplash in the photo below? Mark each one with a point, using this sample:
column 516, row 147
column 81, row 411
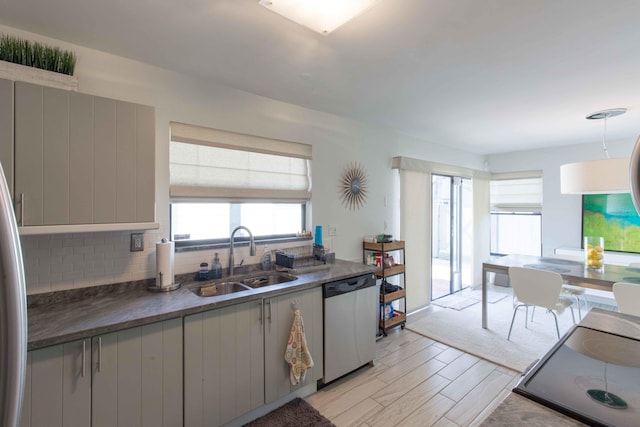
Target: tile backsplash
column 69, row 261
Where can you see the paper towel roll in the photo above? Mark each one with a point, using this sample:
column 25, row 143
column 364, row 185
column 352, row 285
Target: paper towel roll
column 164, row 264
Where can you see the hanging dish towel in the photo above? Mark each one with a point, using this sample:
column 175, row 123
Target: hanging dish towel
column 297, row 354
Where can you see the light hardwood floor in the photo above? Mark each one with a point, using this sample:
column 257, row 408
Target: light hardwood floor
column 416, row 381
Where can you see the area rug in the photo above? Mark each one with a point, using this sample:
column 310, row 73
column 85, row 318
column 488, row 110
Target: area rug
column 455, row 302
column 463, row 330
column 296, row 413
column 492, row 296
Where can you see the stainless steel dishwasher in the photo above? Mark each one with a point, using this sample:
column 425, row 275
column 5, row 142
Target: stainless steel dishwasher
column 350, row 321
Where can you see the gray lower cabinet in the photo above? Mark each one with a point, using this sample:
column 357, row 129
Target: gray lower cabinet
column 279, row 314
column 127, row 378
column 223, row 364
column 58, row 386
column 81, row 159
column 234, row 356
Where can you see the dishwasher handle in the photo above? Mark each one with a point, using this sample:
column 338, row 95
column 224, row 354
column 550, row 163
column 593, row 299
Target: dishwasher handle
column 340, row 287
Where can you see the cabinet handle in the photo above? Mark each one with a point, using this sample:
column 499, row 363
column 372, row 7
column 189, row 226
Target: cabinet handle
column 84, row 358
column 99, row 354
column 21, row 209
column 261, row 311
column 269, row 311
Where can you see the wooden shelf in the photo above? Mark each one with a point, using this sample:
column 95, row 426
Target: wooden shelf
column 390, row 271
column 384, row 272
column 394, row 321
column 392, row 296
column 391, row 246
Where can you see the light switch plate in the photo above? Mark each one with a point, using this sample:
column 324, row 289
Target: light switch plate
column 137, row 242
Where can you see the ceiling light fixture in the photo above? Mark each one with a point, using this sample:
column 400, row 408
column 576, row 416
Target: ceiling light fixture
column 597, row 176
column 322, row 16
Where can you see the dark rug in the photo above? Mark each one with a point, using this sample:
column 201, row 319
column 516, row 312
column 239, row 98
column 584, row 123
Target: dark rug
column 296, row 413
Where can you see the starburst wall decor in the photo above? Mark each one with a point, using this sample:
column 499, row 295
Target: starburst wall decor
column 353, row 187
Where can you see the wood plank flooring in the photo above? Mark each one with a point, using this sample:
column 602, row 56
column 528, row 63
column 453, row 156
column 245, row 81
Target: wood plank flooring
column 416, row 381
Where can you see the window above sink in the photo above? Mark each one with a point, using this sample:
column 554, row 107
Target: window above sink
column 207, row 223
column 220, row 180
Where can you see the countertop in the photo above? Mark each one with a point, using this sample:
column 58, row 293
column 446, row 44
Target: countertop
column 56, row 318
column 518, row 410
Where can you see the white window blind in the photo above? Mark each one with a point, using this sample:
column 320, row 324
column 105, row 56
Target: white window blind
column 516, row 192
column 213, row 164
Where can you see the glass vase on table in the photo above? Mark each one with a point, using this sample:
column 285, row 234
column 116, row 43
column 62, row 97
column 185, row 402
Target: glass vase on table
column 594, row 253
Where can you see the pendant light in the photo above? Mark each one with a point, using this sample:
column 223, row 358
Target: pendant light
column 597, row 176
column 634, row 175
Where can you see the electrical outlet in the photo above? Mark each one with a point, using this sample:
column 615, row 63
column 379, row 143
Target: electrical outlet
column 332, row 231
column 137, row 242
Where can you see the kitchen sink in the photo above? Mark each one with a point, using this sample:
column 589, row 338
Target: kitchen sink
column 267, row 279
column 219, row 288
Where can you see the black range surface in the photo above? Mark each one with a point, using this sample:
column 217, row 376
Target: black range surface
column 590, row 375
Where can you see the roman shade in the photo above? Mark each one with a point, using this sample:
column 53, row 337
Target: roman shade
column 415, row 179
column 213, row 164
column 516, row 192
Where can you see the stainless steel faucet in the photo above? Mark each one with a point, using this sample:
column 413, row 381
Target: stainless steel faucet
column 252, row 246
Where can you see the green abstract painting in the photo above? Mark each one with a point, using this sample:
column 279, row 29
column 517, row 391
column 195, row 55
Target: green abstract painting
column 613, row 217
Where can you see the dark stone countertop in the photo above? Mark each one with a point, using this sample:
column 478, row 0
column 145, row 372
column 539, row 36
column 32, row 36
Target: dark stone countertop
column 64, row 316
column 518, row 410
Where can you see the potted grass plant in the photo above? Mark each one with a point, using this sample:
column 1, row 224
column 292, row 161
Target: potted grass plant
column 35, row 62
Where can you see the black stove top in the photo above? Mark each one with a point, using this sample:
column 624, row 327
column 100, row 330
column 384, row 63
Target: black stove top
column 590, row 375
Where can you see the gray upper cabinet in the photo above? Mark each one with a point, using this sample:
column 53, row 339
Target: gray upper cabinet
column 81, row 159
column 6, row 130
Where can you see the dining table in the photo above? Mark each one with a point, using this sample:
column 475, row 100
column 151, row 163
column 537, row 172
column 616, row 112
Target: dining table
column 573, row 273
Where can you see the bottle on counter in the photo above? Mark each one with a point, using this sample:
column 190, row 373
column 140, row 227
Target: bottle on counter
column 266, row 259
column 203, row 273
column 216, row 267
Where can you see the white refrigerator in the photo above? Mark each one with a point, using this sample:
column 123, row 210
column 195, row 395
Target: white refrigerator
column 13, row 313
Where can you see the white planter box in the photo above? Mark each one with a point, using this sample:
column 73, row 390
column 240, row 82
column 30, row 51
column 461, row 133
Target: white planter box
column 11, row 71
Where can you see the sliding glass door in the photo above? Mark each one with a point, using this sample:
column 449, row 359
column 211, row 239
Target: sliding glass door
column 451, row 235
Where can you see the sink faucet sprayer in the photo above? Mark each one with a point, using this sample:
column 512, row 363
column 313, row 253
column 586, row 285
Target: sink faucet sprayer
column 252, row 246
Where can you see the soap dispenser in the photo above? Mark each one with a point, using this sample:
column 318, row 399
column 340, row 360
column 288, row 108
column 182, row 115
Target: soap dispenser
column 266, row 259
column 216, row 267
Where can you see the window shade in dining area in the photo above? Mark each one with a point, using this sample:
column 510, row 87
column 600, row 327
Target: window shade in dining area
column 516, row 192
column 213, row 164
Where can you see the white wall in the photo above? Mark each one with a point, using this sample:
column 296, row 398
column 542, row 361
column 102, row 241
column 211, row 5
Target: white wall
column 561, row 213
column 79, row 260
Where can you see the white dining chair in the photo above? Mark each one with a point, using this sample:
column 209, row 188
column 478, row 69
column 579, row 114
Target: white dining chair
column 538, row 288
column 627, row 297
column 578, row 294
column 575, row 292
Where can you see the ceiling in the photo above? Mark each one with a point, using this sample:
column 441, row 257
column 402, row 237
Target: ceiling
column 486, row 76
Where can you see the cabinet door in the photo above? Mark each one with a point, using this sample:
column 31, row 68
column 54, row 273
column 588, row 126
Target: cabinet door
column 137, row 376
column 223, row 364
column 279, row 313
column 42, row 154
column 29, row 156
column 124, row 158
column 58, row 386
column 145, row 165
column 81, row 155
column 81, row 159
column 6, row 130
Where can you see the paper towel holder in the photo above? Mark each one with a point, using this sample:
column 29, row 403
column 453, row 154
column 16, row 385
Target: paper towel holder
column 153, row 286
column 171, row 287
